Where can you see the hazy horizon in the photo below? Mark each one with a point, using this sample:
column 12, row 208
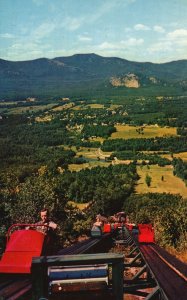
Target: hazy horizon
column 37, row 58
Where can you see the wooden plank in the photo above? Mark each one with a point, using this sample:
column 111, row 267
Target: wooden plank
column 78, row 259
column 13, row 288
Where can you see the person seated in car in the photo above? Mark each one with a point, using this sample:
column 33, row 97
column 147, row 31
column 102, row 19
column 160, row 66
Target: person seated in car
column 48, row 228
column 45, row 225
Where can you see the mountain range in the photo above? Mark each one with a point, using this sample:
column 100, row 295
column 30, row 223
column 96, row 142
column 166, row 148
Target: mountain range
column 63, row 75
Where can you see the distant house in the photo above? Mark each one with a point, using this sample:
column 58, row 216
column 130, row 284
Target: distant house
column 65, row 99
column 30, row 99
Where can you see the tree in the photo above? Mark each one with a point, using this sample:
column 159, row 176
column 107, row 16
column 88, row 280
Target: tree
column 37, row 192
column 148, row 180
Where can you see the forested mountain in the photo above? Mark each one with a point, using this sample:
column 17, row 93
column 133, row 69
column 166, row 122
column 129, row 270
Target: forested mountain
column 82, row 71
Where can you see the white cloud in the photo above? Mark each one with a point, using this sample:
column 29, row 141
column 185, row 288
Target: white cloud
column 43, row 30
column 7, row 35
column 106, row 7
column 29, row 46
column 158, row 28
column 177, row 39
column 141, row 27
column 84, row 38
column 131, row 42
column 177, row 35
column 160, row 47
column 172, row 41
column 106, row 45
column 21, row 49
column 134, row 42
column 72, row 24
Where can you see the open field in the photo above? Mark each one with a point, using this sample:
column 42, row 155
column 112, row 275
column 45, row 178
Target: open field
column 89, row 165
column 114, row 106
column 97, row 139
column 80, row 206
column 63, row 107
column 46, row 118
column 95, row 105
column 91, row 153
column 182, row 155
column 149, row 131
column 8, row 103
column 169, row 184
column 34, row 108
column 78, row 107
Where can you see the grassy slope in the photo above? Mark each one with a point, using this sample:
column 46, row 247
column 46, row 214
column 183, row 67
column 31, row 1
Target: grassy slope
column 149, row 131
column 170, row 184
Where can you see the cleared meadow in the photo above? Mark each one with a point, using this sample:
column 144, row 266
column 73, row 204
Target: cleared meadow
column 148, row 131
column 166, row 184
column 88, row 165
column 63, row 107
column 182, row 155
column 95, row 105
column 34, row 108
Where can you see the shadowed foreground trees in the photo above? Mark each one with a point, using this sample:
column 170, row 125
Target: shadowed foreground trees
column 106, row 188
column 166, row 212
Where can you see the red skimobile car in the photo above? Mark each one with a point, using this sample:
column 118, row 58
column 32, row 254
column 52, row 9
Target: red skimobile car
column 146, row 233
column 23, row 243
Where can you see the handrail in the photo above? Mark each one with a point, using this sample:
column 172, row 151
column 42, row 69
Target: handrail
column 23, row 225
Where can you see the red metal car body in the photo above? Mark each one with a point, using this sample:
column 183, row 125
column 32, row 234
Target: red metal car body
column 22, row 245
column 146, row 233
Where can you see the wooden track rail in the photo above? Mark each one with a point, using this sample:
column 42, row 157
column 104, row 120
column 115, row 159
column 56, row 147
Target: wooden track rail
column 161, row 272
column 166, row 274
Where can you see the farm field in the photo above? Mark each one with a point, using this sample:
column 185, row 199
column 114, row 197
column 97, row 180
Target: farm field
column 95, row 105
column 92, row 153
column 170, row 183
column 8, row 103
column 24, row 109
column 149, row 131
column 89, row 165
column 63, row 107
column 182, row 155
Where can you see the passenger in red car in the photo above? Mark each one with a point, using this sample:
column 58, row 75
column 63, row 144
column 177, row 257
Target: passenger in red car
column 48, row 228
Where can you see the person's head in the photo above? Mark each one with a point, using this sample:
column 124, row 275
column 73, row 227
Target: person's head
column 44, row 214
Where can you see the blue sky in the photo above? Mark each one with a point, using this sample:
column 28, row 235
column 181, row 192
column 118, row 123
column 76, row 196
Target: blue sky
column 137, row 30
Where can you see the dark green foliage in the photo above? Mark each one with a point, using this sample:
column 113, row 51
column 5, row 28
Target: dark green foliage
column 165, row 211
column 180, row 168
column 79, row 160
column 98, row 130
column 148, row 180
column 29, row 145
column 150, row 158
column 105, row 188
column 173, row 144
column 88, row 185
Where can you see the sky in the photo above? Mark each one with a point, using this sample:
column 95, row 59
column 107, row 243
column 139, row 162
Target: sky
column 136, row 30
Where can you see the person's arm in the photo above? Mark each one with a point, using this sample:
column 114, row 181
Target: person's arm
column 52, row 225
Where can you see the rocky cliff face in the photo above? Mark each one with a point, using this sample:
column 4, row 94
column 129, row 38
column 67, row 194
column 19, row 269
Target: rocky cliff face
column 129, row 80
